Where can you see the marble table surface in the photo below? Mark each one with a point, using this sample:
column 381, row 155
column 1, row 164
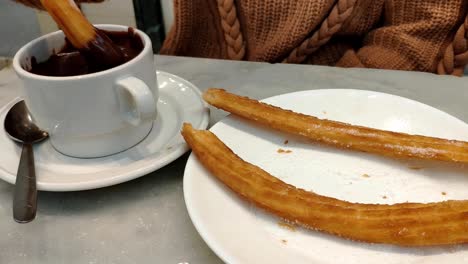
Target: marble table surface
column 145, row 220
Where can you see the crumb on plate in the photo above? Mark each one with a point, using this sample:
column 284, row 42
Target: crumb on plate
column 280, row 150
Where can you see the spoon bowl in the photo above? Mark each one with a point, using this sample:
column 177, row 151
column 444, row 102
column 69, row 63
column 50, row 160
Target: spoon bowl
column 20, row 125
column 21, row 128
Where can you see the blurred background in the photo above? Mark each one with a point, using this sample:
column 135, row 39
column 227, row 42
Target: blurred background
column 20, row 24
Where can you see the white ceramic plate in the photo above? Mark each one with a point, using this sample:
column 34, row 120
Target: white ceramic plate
column 179, row 101
column 240, row 233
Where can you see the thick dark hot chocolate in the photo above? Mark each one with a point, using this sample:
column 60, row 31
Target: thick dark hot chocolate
column 71, row 62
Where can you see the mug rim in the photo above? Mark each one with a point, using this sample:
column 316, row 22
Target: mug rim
column 22, row 72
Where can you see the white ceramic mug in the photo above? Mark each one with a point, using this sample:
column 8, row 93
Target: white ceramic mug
column 96, row 114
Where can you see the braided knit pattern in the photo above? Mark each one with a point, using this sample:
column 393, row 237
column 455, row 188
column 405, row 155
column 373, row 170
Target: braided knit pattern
column 455, row 57
column 329, row 27
column 231, row 27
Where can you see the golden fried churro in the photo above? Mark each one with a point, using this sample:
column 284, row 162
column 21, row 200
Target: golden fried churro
column 407, row 224
column 340, row 134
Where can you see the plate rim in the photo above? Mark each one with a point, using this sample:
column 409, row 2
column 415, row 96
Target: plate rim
column 148, row 167
column 218, row 249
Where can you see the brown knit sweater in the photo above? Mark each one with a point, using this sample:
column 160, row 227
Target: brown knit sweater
column 420, row 35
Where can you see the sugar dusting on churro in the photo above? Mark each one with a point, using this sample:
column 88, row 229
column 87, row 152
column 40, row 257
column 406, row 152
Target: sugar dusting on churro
column 287, row 225
column 339, row 134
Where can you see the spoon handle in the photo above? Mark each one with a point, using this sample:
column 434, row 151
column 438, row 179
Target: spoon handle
column 25, row 196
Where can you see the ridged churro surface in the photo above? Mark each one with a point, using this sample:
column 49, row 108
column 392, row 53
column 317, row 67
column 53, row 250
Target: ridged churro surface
column 406, row 224
column 340, row 134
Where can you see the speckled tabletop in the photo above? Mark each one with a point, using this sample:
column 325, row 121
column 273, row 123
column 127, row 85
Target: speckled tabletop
column 145, row 220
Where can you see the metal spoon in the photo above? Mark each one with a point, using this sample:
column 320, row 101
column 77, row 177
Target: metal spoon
column 20, row 127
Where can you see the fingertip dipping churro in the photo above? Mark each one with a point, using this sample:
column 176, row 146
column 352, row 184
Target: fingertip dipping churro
column 338, row 134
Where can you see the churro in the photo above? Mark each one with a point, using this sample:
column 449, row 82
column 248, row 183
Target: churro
column 406, row 224
column 342, row 135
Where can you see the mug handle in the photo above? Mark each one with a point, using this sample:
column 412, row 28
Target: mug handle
column 136, row 101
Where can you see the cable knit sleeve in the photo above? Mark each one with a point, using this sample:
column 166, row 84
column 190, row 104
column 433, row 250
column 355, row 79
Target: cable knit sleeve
column 412, row 37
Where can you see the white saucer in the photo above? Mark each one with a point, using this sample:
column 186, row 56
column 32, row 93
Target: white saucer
column 179, row 101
